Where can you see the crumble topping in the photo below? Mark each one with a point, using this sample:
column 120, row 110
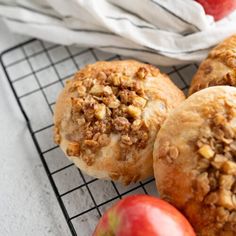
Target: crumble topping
column 104, row 103
column 215, row 184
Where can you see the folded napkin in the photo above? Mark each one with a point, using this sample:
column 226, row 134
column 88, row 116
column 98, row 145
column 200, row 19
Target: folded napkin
column 163, row 32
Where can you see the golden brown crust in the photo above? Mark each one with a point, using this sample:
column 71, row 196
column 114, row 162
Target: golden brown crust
column 200, row 178
column 107, row 117
column 219, row 68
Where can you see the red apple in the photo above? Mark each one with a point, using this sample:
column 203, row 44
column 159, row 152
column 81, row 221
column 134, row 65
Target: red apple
column 218, row 8
column 143, row 215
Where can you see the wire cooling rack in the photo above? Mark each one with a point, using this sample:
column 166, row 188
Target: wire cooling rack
column 36, row 72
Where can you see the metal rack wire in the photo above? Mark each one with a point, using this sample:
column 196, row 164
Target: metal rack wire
column 36, row 72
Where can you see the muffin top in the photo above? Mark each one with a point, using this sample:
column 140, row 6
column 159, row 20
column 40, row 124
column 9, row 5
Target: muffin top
column 195, row 162
column 219, row 68
column 116, row 105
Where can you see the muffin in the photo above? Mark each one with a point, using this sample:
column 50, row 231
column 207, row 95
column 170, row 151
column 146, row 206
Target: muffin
column 194, row 160
column 219, row 68
column 107, row 117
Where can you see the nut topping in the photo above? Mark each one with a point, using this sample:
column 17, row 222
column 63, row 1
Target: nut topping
column 142, row 73
column 125, row 139
column 97, row 89
column 216, row 181
column 139, row 101
column 121, row 123
column 105, row 102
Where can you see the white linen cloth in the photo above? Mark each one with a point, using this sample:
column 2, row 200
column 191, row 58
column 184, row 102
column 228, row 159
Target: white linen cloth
column 163, row 32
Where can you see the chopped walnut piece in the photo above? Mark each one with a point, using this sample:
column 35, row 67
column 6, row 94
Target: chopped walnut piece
column 96, row 136
column 88, row 134
column 125, row 139
column 88, row 82
column 97, row 89
column 133, row 111
column 102, row 76
column 100, row 111
column 81, row 91
column 142, row 139
column 142, row 73
column 113, row 103
column 206, row 151
column 92, row 144
column 139, row 101
column 89, row 101
column 73, row 149
column 104, row 140
column 123, row 108
column 139, row 89
column 226, row 181
column 89, row 114
column 77, row 102
column 211, row 198
column 229, row 167
column 107, row 91
column 126, row 96
column 127, row 82
column 220, row 119
column 74, row 85
column 121, row 123
column 81, row 121
column 102, row 126
column 115, row 90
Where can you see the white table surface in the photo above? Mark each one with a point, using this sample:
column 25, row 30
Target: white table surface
column 27, row 203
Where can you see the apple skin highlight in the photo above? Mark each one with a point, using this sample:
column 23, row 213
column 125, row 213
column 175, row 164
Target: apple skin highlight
column 140, row 215
column 218, row 8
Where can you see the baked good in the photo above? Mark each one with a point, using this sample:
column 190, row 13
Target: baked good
column 219, row 68
column 107, row 116
column 194, row 160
